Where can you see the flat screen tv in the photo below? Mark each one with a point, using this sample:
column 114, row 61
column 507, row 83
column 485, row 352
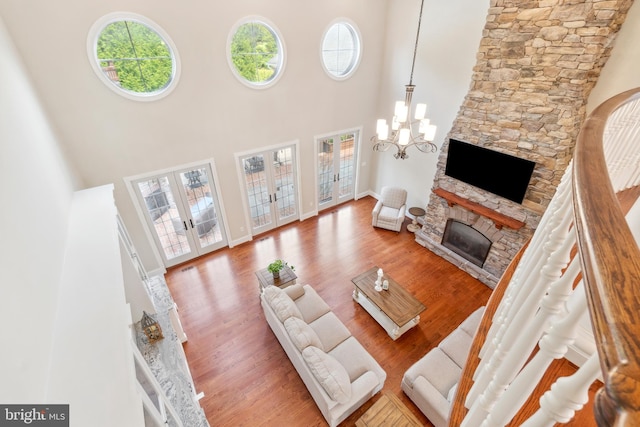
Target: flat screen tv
column 502, row 174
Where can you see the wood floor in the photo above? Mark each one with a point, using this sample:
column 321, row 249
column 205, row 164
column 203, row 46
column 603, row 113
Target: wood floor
column 236, row 360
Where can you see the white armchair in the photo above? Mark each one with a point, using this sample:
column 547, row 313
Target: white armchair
column 389, row 211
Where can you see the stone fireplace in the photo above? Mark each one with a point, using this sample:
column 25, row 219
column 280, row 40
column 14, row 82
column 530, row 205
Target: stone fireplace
column 537, row 63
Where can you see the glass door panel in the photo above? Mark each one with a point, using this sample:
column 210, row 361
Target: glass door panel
column 170, row 229
column 326, row 177
column 285, row 188
column 346, row 176
column 336, row 169
column 258, row 192
column 203, row 209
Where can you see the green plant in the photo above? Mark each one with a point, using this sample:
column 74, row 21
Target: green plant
column 278, row 265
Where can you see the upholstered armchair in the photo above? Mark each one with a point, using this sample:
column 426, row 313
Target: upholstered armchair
column 389, row 211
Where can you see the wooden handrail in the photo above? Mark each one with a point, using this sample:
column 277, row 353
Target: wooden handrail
column 611, row 268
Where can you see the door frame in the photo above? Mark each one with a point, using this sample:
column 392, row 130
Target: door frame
column 358, row 151
column 243, row 188
column 129, row 180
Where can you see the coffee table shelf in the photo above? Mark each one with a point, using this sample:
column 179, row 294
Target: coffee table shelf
column 395, row 309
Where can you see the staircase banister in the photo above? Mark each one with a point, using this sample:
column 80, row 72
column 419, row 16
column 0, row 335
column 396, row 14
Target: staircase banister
column 458, row 410
column 611, row 268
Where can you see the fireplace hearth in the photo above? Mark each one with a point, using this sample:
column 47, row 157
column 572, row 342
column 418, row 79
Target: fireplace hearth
column 466, row 241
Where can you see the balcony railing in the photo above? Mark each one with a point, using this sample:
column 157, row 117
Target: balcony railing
column 582, row 258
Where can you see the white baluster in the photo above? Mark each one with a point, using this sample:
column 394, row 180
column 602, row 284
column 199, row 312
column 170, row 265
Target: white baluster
column 553, row 345
column 529, row 264
column 487, row 387
column 567, row 395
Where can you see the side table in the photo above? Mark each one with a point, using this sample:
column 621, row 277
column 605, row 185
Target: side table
column 416, row 212
column 265, row 278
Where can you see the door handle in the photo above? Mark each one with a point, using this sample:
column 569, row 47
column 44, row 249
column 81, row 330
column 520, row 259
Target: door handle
column 334, row 177
column 185, row 225
column 275, row 197
column 270, row 200
column 338, row 177
column 191, row 222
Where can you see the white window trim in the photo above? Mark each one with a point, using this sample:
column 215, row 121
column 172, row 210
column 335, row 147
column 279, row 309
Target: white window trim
column 282, row 51
column 358, row 35
column 92, row 41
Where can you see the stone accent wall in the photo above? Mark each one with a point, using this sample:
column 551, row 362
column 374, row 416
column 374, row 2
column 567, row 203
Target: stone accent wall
column 536, row 65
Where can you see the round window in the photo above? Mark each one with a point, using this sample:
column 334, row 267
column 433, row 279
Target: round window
column 340, row 50
column 256, row 53
column 133, row 56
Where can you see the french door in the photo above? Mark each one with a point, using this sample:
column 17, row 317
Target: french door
column 182, row 210
column 336, row 168
column 271, row 187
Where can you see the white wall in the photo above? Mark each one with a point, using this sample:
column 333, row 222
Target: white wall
column 620, row 73
column 209, row 114
column 36, row 186
column 450, row 35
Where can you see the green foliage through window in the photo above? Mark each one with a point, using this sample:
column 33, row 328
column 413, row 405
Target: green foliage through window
column 254, row 52
column 135, row 57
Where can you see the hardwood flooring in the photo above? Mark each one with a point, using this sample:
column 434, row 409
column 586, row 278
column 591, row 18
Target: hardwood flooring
column 236, row 360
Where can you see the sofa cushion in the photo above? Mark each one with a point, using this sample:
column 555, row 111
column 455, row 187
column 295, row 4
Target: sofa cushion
column 330, row 330
column 456, row 345
column 470, row 324
column 311, row 305
column 284, row 307
column 302, row 334
column 353, row 356
column 437, row 369
column 329, row 373
column 388, row 214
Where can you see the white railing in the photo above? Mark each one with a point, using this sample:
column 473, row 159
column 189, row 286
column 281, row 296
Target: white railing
column 537, row 319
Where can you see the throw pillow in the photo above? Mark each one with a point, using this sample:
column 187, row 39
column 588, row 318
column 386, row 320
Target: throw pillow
column 284, row 307
column 301, row 334
column 270, row 292
column 329, row 373
column 294, row 291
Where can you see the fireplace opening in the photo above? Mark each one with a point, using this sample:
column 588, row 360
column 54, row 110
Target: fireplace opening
column 466, row 241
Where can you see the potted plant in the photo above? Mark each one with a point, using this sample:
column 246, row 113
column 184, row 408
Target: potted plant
column 278, row 265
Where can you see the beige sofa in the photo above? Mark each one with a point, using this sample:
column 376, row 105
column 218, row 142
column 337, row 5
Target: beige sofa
column 337, row 370
column 432, row 381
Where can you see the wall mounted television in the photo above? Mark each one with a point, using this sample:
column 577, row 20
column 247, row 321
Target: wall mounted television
column 502, row 174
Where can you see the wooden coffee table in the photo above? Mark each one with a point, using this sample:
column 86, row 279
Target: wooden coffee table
column 388, row 411
column 395, row 309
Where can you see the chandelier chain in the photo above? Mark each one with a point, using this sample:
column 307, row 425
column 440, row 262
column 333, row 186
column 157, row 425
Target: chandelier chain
column 415, row 47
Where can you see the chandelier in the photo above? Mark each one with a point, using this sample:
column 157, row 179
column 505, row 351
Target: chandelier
column 403, row 133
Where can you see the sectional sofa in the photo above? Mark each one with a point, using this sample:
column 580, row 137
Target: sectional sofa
column 431, row 383
column 338, row 371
